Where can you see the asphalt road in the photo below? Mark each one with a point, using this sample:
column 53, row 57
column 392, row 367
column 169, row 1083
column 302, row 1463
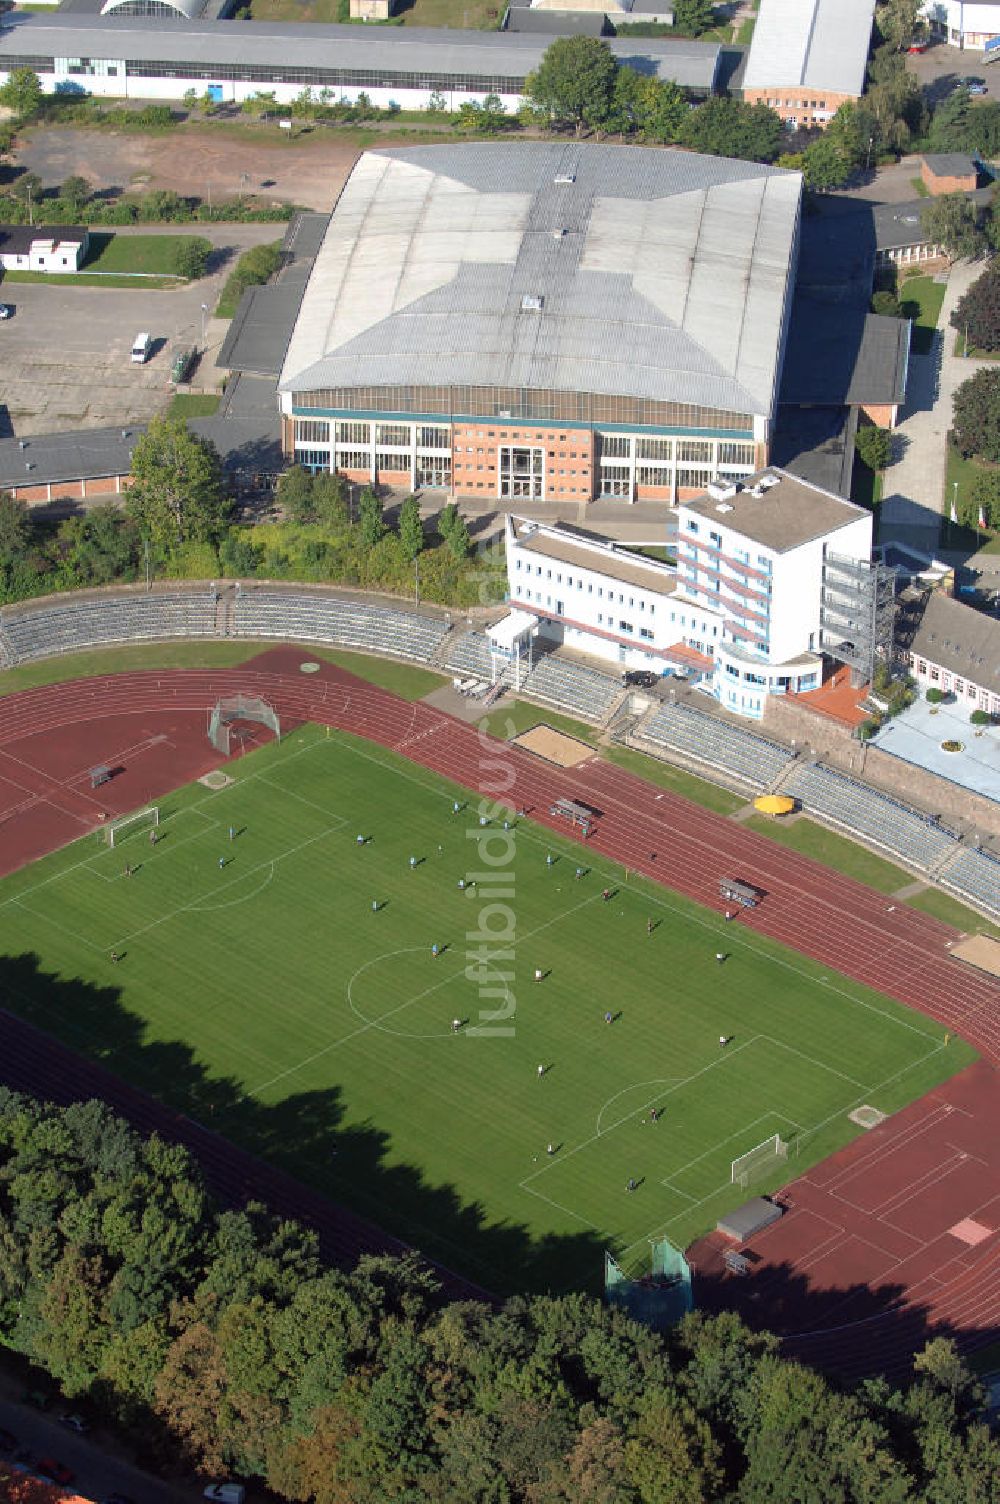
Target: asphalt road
column 97, row 1473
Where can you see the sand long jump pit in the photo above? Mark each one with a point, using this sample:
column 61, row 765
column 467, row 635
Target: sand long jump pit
column 554, row 746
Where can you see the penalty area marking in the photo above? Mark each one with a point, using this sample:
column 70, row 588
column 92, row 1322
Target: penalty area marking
column 636, row 1086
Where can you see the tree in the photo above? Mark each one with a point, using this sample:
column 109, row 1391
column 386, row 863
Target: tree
column 692, row 17
column 980, row 718
column 661, row 107
column 949, row 128
column 22, row 93
column 874, row 445
column 27, row 188
column 458, row 538
column 886, row 303
column 976, row 421
column 189, row 99
column 295, row 495
column 191, row 257
column 371, row 523
column 411, row 529
column 14, row 529
column 574, row 83
column 898, row 21
column 981, row 499
column 726, row 127
column 330, row 499
column 894, row 106
column 826, row 165
column 952, row 222
column 977, row 312
column 75, row 192
column 176, row 495
column 437, row 104
column 934, row 696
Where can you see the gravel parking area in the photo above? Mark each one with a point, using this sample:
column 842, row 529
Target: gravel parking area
column 65, row 353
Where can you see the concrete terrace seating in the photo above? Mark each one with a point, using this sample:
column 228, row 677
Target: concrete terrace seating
column 7, row 657
column 707, row 739
column 975, row 876
column 470, row 654
column 878, row 818
column 573, row 686
column 65, row 626
column 309, row 617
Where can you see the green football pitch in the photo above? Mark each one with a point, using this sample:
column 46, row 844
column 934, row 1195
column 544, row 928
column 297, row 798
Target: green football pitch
column 268, row 999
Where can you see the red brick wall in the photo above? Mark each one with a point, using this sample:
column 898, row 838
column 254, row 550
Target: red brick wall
column 799, row 106
column 937, row 185
column 569, row 458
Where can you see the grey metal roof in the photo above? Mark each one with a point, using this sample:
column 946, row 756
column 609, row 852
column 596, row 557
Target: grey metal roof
column 959, row 639
column 661, row 274
column 950, row 164
column 787, row 515
column 275, row 45
column 558, row 23
column 86, row 453
column 815, row 44
column 840, row 354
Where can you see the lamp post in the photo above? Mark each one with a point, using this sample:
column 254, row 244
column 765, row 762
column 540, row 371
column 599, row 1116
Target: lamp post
column 204, row 318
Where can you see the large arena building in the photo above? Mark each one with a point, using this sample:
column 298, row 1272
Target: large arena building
column 545, row 322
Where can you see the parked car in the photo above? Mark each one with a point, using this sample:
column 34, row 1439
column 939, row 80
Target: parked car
column 57, row 1471
column 6, row 310
column 8, row 1442
column 642, row 678
column 974, row 85
column 75, row 1423
column 918, row 44
column 226, row 1493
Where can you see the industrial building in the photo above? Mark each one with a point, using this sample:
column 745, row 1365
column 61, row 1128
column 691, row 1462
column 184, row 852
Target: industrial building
column 156, row 57
column 545, row 322
column 969, row 24
column 808, row 57
column 771, row 577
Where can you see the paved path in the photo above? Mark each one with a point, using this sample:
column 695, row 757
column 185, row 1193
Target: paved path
column 915, row 484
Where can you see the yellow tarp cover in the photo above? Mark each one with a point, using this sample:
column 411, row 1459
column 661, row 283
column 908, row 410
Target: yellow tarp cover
column 774, row 804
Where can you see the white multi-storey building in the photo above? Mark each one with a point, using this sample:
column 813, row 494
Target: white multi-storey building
column 763, row 555
column 763, row 572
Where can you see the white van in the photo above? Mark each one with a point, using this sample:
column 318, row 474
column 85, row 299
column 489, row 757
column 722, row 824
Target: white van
column 226, row 1493
column 141, row 346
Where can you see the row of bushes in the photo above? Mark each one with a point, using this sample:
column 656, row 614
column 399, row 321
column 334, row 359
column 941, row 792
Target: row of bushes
column 157, row 207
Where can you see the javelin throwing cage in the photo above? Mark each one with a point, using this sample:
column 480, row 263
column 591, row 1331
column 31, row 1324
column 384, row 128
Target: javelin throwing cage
column 232, row 708
column 658, row 1299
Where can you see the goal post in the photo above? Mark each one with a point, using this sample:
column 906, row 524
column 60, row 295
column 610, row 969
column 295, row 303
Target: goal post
column 141, row 819
column 239, row 708
column 759, row 1160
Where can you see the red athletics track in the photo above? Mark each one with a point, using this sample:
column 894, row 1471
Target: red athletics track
column 898, row 1190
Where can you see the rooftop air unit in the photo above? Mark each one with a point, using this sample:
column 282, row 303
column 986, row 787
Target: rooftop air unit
column 531, row 302
column 565, row 177
column 721, row 489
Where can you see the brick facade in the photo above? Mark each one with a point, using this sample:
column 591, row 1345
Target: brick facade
column 800, row 106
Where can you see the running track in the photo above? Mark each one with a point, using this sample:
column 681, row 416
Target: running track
column 837, row 921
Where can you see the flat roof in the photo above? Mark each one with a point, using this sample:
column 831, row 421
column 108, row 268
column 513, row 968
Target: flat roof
column 844, row 355
column 283, row 46
column 83, row 453
column 902, row 224
column 812, row 44
column 586, row 550
column 950, row 164
column 960, row 639
column 559, row 266
column 784, row 517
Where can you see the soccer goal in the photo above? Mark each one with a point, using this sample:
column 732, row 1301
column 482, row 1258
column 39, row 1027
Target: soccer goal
column 759, row 1160
column 143, row 819
column 239, row 708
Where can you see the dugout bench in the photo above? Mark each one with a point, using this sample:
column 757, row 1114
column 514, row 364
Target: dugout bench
column 745, row 894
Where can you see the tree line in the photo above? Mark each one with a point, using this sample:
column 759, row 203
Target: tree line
column 221, row 1340
column 177, row 522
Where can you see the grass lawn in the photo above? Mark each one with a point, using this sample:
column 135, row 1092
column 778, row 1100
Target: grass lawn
column 961, row 348
column 300, row 10
column 963, row 472
column 678, row 780
column 507, row 721
column 652, row 551
column 403, row 679
column 192, row 405
column 269, row 1000
column 942, row 906
column 919, row 187
column 922, row 298
column 120, row 261
column 833, row 851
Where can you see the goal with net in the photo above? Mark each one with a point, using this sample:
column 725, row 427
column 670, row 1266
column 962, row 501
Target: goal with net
column 118, row 831
column 759, row 1160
